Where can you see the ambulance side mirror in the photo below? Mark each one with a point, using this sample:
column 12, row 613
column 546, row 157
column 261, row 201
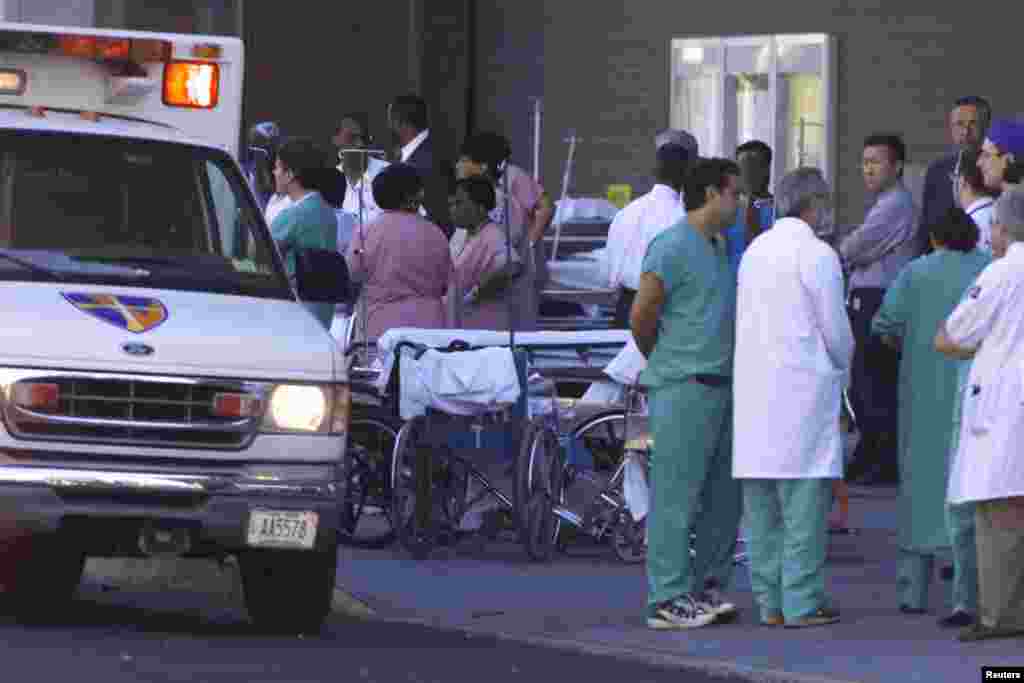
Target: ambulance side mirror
column 322, row 277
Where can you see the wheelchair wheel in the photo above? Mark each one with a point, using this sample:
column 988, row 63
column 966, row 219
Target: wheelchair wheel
column 539, row 488
column 366, row 502
column 411, row 499
column 629, row 539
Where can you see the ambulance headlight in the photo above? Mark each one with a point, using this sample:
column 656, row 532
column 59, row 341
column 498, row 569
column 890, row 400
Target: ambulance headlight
column 309, row 409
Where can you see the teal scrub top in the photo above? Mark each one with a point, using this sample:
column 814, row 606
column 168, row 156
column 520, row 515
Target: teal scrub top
column 308, row 224
column 924, row 294
column 696, row 330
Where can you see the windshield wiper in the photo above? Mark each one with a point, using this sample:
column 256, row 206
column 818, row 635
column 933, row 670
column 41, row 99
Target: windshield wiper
column 61, row 267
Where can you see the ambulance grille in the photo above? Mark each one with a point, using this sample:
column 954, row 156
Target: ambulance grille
column 133, row 411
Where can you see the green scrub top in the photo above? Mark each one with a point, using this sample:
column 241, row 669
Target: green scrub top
column 696, row 330
column 924, row 294
column 308, row 224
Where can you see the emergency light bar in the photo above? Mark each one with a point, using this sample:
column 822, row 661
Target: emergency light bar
column 12, row 81
column 86, row 47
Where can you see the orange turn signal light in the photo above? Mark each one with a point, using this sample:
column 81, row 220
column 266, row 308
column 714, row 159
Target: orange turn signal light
column 37, row 396
column 236, row 405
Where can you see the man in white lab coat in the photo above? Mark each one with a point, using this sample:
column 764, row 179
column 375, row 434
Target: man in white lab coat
column 794, row 347
column 987, row 468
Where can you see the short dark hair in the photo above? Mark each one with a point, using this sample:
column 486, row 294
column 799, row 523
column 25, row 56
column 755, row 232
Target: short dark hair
column 480, row 190
column 955, row 230
column 362, row 120
column 980, row 103
column 395, row 185
column 303, row 157
column 707, row 173
column 672, row 161
column 487, row 148
column 757, row 147
column 897, row 148
column 410, row 110
column 971, row 174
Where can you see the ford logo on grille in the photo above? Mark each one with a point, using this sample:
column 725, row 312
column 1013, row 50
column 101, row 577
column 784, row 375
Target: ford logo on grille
column 137, row 349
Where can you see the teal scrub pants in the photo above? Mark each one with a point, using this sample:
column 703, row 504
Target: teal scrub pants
column 960, row 522
column 915, row 577
column 787, row 526
column 916, row 568
column 691, row 485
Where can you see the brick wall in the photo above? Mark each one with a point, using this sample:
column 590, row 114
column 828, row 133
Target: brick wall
column 606, row 72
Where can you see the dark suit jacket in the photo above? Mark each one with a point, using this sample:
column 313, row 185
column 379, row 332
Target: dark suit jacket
column 435, row 185
column 937, row 198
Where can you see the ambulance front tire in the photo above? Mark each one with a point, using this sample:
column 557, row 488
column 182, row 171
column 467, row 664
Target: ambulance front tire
column 289, row 592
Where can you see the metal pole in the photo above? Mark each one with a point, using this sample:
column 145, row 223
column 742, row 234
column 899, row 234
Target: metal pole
column 536, row 138
column 565, row 190
column 361, row 302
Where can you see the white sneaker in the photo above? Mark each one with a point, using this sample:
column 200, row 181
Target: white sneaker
column 682, row 613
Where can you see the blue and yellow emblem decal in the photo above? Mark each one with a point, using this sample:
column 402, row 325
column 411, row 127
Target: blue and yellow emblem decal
column 133, row 313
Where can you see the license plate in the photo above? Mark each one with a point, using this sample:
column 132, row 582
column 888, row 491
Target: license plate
column 282, row 529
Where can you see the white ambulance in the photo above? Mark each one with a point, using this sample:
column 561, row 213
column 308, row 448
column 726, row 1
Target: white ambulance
column 162, row 390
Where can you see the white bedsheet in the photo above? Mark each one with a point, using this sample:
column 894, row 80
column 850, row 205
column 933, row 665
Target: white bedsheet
column 581, row 271
column 601, row 345
column 460, row 383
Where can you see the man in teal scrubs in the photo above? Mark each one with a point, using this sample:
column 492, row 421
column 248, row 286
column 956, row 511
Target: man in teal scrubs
column 301, row 172
column 683, row 320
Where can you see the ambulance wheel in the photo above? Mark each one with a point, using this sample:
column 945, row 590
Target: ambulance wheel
column 539, row 488
column 411, row 492
column 288, row 591
column 366, row 499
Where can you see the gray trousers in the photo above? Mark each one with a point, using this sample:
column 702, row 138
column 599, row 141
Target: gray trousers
column 1000, row 538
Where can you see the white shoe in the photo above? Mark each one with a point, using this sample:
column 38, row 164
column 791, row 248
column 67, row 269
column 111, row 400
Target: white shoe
column 682, row 613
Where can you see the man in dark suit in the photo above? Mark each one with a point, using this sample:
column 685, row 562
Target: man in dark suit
column 407, row 118
column 968, row 121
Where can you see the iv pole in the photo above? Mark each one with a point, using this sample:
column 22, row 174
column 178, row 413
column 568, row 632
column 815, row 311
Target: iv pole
column 360, row 310
column 572, row 140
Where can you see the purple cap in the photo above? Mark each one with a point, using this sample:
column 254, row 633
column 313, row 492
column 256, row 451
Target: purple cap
column 1008, row 136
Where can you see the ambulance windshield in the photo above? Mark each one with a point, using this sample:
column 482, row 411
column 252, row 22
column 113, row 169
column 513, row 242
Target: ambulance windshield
column 95, row 209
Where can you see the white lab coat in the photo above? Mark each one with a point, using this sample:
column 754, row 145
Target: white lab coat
column 794, row 347
column 632, row 230
column 988, row 464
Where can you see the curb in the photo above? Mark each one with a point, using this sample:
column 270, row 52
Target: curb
column 714, row 668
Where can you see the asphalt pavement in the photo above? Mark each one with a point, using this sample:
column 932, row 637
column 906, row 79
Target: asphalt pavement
column 132, row 635
column 588, row 601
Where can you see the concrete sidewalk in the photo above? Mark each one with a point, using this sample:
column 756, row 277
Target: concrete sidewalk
column 588, row 601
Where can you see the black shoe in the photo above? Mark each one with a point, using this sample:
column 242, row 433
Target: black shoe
column 978, row 632
column 906, row 609
column 958, row 619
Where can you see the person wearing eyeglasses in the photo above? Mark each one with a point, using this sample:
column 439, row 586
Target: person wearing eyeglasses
column 1003, row 148
column 968, row 122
